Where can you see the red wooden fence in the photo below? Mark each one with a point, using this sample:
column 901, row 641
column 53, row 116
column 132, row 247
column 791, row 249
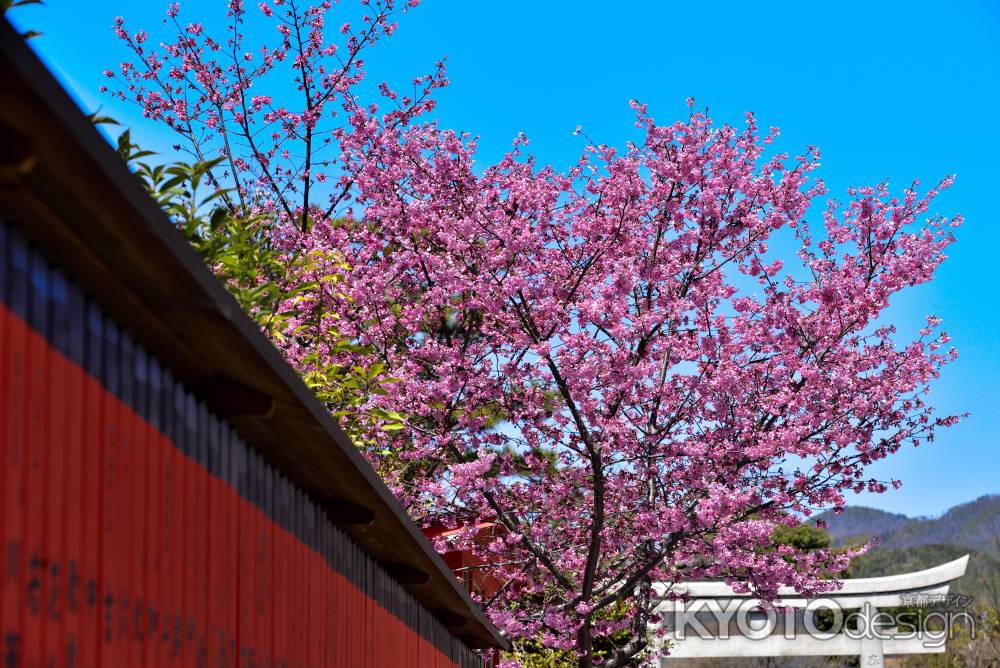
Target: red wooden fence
column 137, row 529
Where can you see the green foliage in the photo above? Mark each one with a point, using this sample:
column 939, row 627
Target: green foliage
column 7, row 5
column 532, row 654
column 277, row 288
column 805, row 537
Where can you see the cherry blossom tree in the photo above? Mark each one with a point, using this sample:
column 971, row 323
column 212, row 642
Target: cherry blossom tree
column 627, row 372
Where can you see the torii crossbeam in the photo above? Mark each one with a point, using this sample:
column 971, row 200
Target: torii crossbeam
column 715, row 621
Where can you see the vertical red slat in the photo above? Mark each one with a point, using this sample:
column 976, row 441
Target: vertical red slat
column 252, row 651
column 285, row 566
column 226, row 569
column 265, row 596
column 311, row 576
column 414, row 642
column 173, row 515
column 337, row 596
column 230, row 535
column 233, row 504
column 339, row 602
column 356, row 621
column 305, row 572
column 245, row 558
column 204, row 527
column 381, row 625
column 198, row 529
column 399, row 656
column 365, row 626
column 156, row 609
column 291, row 602
column 361, row 618
column 5, row 407
column 124, row 547
column 347, row 604
column 277, row 607
column 180, row 645
column 34, row 559
column 259, row 630
column 125, row 503
column 15, row 360
column 277, row 611
column 293, row 605
column 364, row 609
column 324, row 589
column 318, row 641
column 215, row 534
column 339, row 639
column 265, row 611
column 188, row 523
column 56, row 415
column 139, row 563
column 378, row 625
column 371, row 617
column 91, row 500
column 353, row 603
column 294, row 615
column 315, row 555
column 264, row 593
column 299, row 619
column 419, row 655
column 222, row 619
column 111, row 653
column 75, row 445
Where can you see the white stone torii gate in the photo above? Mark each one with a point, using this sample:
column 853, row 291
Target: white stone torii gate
column 758, row 634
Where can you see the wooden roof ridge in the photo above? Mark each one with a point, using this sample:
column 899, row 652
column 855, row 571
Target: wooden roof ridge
column 72, row 194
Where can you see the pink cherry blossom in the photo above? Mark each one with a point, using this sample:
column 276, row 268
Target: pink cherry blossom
column 612, row 364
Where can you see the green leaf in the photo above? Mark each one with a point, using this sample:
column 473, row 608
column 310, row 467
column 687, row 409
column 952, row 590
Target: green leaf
column 218, row 218
column 216, row 194
column 102, row 120
column 125, row 144
column 169, row 184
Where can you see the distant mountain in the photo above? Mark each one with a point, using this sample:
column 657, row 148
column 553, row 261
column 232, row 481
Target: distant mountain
column 974, row 525
column 859, row 522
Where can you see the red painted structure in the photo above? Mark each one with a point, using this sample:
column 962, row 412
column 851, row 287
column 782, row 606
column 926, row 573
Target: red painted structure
column 476, row 575
column 170, row 495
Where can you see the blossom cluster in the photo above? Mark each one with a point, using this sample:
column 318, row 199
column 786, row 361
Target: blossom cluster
column 634, row 369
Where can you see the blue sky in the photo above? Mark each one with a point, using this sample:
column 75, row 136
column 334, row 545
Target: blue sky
column 887, row 90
